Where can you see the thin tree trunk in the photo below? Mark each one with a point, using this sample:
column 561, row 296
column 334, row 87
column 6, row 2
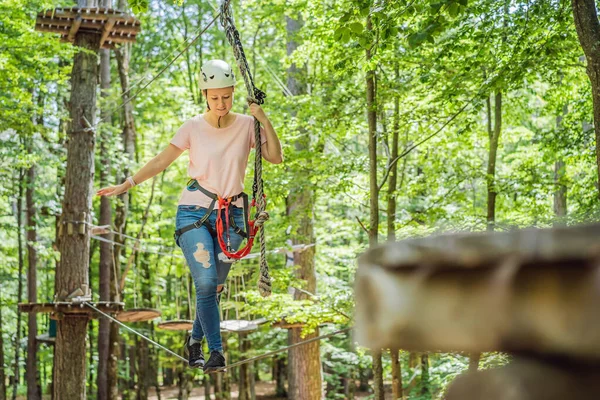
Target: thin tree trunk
column 2, row 370
column 279, row 371
column 206, row 384
column 305, row 381
column 378, row 375
column 393, row 182
column 588, row 30
column 106, row 249
column 244, row 381
column 373, row 195
column 491, row 169
column 474, row 362
column 396, row 373
column 391, row 227
column 17, row 344
column 425, row 389
column 72, row 271
column 123, row 55
column 33, row 385
column 560, row 193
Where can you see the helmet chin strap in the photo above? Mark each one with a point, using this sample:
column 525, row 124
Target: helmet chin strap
column 219, row 120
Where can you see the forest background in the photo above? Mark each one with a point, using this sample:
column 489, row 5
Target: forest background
column 398, row 119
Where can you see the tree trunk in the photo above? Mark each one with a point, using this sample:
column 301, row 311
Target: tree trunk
column 425, row 389
column 560, row 193
column 2, row 370
column 244, row 381
column 33, row 385
column 304, row 363
column 491, row 169
column 372, row 123
column 474, row 361
column 106, row 249
column 588, row 31
column 206, row 384
column 393, row 182
column 128, row 137
column 146, row 369
column 396, row 373
column 391, row 227
column 279, row 372
column 378, row 375
column 17, row 344
column 373, row 194
column 72, row 271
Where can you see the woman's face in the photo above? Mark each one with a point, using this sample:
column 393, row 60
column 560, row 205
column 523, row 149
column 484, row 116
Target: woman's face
column 220, row 101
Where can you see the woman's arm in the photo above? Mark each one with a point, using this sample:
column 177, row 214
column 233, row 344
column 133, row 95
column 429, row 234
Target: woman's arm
column 152, row 168
column 271, row 150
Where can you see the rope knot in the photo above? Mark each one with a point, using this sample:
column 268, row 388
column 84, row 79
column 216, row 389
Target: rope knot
column 261, row 218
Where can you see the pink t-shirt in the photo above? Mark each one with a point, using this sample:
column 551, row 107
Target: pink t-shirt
column 218, row 156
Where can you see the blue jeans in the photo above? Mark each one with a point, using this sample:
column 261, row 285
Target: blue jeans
column 201, row 252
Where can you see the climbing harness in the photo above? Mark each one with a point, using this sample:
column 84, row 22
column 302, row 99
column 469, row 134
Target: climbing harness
column 251, row 227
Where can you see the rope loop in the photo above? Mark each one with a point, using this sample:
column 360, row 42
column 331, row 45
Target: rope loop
column 257, row 96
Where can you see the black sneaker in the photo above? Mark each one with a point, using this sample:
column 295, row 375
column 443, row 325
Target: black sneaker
column 195, row 354
column 215, row 362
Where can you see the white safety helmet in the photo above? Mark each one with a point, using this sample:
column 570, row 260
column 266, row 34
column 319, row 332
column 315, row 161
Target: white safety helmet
column 216, row 74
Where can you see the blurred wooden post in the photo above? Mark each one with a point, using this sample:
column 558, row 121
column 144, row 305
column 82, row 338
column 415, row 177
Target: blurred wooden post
column 532, row 291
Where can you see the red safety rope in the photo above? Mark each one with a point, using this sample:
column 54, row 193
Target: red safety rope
column 225, row 247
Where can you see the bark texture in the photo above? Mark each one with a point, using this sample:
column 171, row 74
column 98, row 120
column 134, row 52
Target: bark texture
column 33, row 384
column 72, row 271
column 106, row 249
column 588, row 30
column 491, row 168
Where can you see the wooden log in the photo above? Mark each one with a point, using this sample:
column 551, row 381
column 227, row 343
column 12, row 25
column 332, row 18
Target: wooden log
column 535, row 291
column 74, row 28
column 108, row 26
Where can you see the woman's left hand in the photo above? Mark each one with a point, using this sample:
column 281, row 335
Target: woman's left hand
column 258, row 113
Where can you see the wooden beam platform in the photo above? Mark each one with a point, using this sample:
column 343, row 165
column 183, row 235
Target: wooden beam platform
column 176, row 325
column 114, row 26
column 138, row 315
column 69, row 308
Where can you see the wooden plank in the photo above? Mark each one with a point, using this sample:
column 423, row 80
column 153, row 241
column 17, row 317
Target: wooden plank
column 44, row 24
column 74, row 28
column 108, row 26
column 55, row 29
column 71, row 13
column 69, row 308
column 120, row 39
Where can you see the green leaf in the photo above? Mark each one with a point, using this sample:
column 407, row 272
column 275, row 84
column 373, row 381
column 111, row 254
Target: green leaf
column 345, row 17
column 357, row 27
column 453, row 9
column 364, row 42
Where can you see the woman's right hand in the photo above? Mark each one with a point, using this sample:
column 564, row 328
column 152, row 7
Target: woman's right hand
column 113, row 190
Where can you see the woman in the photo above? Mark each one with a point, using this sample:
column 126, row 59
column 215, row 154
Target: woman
column 219, row 142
